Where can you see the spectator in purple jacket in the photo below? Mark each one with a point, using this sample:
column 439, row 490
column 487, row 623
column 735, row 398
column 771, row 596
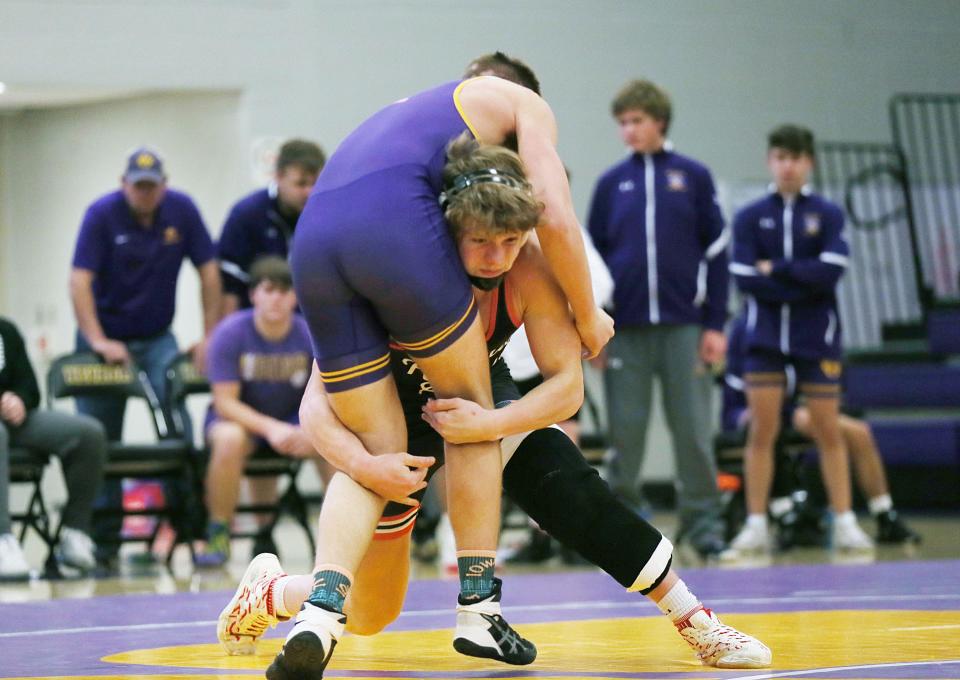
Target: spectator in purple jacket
column 789, row 253
column 262, row 223
column 123, row 285
column 258, row 367
column 655, row 220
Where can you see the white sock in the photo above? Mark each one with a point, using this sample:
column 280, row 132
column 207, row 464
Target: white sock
column 279, row 607
column 880, row 504
column 757, row 522
column 678, row 602
column 845, row 518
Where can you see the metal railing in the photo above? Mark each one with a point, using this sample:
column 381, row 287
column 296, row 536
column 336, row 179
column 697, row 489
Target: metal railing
column 926, row 127
column 884, row 287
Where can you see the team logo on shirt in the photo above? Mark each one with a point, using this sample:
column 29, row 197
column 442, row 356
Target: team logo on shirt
column 767, row 223
column 171, row 236
column 626, row 185
column 292, row 368
column 676, row 180
column 811, row 224
column 831, row 369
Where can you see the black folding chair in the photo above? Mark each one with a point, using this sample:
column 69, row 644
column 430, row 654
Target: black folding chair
column 27, row 467
column 168, row 458
column 183, row 380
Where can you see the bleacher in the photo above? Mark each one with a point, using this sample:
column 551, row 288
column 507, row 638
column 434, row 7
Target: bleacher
column 901, row 298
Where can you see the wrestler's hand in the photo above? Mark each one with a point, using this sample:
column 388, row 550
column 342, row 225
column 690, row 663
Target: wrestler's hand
column 461, row 421
column 595, row 332
column 395, row 476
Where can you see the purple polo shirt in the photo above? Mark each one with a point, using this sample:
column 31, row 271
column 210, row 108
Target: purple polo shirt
column 272, row 375
column 136, row 268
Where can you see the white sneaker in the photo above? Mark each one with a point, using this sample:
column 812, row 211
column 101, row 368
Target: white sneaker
column 309, row 646
column 752, row 540
column 75, row 549
column 252, row 610
column 720, row 645
column 13, row 563
column 850, row 537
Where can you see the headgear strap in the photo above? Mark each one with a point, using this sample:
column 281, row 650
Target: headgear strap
column 463, row 182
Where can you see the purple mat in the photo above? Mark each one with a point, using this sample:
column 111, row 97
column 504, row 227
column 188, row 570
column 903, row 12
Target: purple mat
column 68, row 637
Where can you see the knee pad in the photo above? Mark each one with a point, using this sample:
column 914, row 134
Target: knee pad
column 549, row 478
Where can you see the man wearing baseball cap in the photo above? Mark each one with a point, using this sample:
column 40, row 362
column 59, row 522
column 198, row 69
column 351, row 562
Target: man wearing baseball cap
column 123, row 286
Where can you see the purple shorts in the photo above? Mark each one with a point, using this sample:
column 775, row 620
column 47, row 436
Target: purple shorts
column 374, row 260
column 815, row 377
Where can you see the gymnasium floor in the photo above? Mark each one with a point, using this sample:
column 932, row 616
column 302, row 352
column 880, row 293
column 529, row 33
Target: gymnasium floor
column 897, row 616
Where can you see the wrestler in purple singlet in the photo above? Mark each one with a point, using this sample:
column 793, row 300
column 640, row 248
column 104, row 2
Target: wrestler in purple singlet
column 372, row 257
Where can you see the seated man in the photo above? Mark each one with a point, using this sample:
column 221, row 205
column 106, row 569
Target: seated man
column 78, row 441
column 258, row 369
column 544, row 471
column 864, row 455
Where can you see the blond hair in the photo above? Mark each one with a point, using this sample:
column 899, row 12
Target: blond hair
column 487, row 186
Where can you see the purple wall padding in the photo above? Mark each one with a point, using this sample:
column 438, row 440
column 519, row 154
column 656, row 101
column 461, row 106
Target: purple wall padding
column 918, row 442
column 943, row 331
column 902, row 385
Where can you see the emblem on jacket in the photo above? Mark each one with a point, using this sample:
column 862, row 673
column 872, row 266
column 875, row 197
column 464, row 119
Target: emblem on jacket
column 676, row 180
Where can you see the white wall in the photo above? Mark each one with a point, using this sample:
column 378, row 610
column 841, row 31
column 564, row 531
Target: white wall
column 54, row 163
column 735, row 67
column 317, row 67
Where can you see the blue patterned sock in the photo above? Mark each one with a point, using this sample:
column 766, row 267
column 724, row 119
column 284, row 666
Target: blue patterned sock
column 330, row 587
column 476, row 573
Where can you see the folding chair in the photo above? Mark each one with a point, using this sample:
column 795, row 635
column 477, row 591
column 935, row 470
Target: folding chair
column 168, row 458
column 27, row 467
column 729, row 450
column 183, row 380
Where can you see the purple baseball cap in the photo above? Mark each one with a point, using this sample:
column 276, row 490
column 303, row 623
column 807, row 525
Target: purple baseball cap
column 144, row 165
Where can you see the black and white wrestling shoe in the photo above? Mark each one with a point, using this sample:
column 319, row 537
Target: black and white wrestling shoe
column 483, row 632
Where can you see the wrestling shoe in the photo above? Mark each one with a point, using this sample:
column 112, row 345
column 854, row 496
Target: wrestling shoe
column 309, row 646
column 252, row 609
column 483, row 632
column 892, row 529
column 719, row 645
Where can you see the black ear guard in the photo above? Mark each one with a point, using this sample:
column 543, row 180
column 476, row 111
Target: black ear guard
column 463, row 182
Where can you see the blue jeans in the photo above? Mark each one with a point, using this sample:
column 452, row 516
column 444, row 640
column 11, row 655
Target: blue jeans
column 152, row 355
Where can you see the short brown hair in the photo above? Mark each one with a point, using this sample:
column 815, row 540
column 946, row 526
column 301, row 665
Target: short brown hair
column 308, row 155
column 794, row 138
column 272, row 268
column 499, row 206
column 502, row 66
column 645, row 96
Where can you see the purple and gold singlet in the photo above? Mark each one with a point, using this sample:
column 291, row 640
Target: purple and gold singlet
column 372, row 256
